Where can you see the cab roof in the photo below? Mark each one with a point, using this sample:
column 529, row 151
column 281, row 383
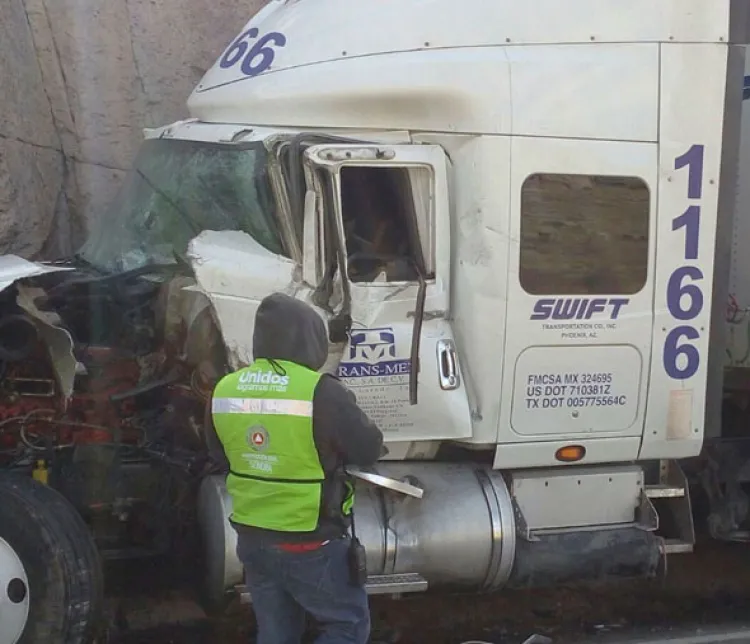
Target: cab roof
column 317, row 31
column 412, row 64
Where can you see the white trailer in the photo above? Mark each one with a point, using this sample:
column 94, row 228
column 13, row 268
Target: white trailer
column 521, row 224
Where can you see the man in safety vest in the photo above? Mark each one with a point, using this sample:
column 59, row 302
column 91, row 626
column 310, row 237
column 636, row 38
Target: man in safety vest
column 284, row 433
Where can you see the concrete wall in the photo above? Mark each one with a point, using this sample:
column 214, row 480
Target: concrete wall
column 79, row 79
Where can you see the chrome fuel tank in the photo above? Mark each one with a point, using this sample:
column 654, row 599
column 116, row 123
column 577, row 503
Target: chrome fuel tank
column 460, row 533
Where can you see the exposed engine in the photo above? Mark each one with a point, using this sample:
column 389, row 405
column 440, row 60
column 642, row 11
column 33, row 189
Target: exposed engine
column 112, row 420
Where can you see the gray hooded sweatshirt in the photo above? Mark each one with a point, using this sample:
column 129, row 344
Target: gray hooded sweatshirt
column 287, row 329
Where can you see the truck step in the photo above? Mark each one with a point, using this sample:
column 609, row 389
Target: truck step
column 409, row 582
column 664, row 491
column 677, row 547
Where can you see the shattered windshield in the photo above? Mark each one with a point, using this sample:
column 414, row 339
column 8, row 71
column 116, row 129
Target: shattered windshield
column 176, row 190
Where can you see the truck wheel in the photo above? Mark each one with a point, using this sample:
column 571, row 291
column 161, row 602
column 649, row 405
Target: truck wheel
column 51, row 579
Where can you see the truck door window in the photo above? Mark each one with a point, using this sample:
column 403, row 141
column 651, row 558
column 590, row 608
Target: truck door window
column 381, row 224
column 584, row 235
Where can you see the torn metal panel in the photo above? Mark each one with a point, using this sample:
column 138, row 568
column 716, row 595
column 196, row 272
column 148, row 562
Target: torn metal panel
column 57, row 339
column 14, row 268
column 221, row 262
column 188, row 321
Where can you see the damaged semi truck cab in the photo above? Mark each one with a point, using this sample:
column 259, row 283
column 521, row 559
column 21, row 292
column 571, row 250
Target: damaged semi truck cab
column 521, row 224
column 516, row 220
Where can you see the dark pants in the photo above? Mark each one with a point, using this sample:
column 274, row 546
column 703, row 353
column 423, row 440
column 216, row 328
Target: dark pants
column 283, row 585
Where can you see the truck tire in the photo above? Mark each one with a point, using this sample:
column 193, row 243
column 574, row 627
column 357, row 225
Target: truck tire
column 51, row 579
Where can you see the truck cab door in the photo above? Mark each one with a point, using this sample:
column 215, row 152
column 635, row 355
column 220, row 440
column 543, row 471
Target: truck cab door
column 378, row 250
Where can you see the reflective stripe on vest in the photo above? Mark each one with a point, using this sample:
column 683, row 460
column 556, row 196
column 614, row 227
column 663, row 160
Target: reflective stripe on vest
column 261, row 406
column 264, row 422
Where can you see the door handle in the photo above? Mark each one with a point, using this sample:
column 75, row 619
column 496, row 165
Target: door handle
column 447, row 365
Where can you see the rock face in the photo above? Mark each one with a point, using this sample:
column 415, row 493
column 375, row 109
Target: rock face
column 80, row 80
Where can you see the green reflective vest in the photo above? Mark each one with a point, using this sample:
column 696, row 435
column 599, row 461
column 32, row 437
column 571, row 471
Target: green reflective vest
column 264, row 422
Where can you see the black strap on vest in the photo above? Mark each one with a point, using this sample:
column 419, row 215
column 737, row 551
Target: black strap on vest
column 274, row 480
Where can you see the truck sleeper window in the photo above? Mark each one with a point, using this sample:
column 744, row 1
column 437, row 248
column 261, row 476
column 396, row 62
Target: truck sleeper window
column 380, row 225
column 584, row 235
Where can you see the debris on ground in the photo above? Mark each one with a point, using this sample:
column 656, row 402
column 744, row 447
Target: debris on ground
column 538, row 639
column 702, row 590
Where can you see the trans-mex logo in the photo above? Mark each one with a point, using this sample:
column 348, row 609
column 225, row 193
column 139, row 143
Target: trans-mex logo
column 372, row 345
column 372, row 352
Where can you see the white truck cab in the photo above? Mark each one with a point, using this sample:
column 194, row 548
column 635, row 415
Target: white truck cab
column 517, row 221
